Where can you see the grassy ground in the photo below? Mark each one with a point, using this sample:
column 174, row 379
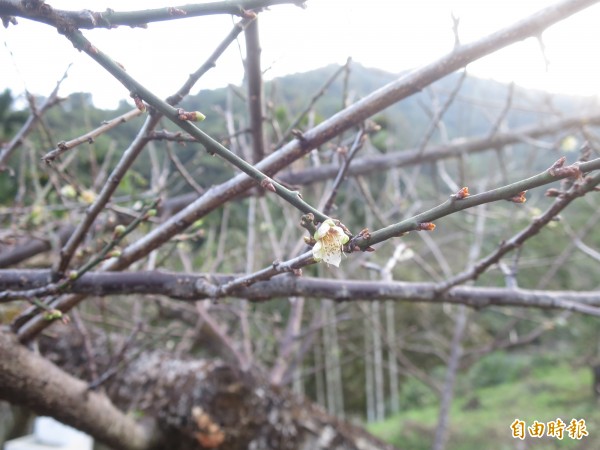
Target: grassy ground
column 481, row 417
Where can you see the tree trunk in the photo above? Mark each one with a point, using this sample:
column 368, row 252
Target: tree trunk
column 456, row 350
column 28, row 379
column 377, row 361
column 390, row 329
column 191, row 404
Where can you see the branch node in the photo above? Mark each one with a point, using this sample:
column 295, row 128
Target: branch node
column 462, row 193
column 176, row 12
column 557, row 169
column 519, row 198
column 248, row 14
column 267, row 183
column 426, row 226
column 192, row 116
column 138, row 102
column 7, row 20
column 298, row 135
column 553, row 192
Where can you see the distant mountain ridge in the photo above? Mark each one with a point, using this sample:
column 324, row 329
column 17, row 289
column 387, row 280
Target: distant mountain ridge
column 477, row 106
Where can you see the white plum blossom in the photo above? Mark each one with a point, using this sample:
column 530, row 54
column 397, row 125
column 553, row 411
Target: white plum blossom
column 330, row 240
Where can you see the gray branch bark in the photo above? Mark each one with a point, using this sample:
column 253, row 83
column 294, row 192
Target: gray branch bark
column 191, row 287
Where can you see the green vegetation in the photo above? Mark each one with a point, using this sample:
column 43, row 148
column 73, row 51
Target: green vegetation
column 524, row 387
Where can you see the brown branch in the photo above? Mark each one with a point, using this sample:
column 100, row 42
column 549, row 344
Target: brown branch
column 28, row 379
column 89, row 137
column 129, row 156
column 136, row 147
column 359, row 140
column 505, row 110
column 173, row 136
column 192, row 287
column 439, row 113
column 456, row 147
column 210, row 62
column 183, row 171
column 365, row 239
column 255, row 91
column 32, row 246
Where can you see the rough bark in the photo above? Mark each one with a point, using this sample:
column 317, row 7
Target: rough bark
column 192, row 287
column 30, row 380
column 194, row 404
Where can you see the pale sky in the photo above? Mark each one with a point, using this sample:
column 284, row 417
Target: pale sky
column 393, row 35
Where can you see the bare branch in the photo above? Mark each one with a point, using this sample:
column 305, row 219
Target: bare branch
column 86, row 19
column 255, row 91
column 192, row 287
column 27, row 127
column 32, row 246
column 587, row 185
column 513, row 192
column 28, row 379
column 455, row 148
column 89, row 137
column 311, row 103
column 184, row 120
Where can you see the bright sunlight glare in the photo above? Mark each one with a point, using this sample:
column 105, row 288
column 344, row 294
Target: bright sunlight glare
column 388, row 34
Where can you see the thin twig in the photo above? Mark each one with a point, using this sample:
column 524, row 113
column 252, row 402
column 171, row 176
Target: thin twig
column 89, row 137
column 518, row 239
column 33, row 118
column 183, row 120
column 287, row 133
column 455, row 148
column 182, row 170
column 356, row 146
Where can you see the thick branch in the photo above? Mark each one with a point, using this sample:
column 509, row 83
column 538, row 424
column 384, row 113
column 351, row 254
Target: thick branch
column 89, row 137
column 365, row 239
column 28, row 379
column 184, row 120
column 191, row 287
column 255, row 91
column 457, row 147
column 31, row 246
column 137, row 146
column 209, row 404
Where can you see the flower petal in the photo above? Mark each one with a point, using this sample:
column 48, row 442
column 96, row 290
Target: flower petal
column 330, row 242
column 324, row 229
column 318, row 251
